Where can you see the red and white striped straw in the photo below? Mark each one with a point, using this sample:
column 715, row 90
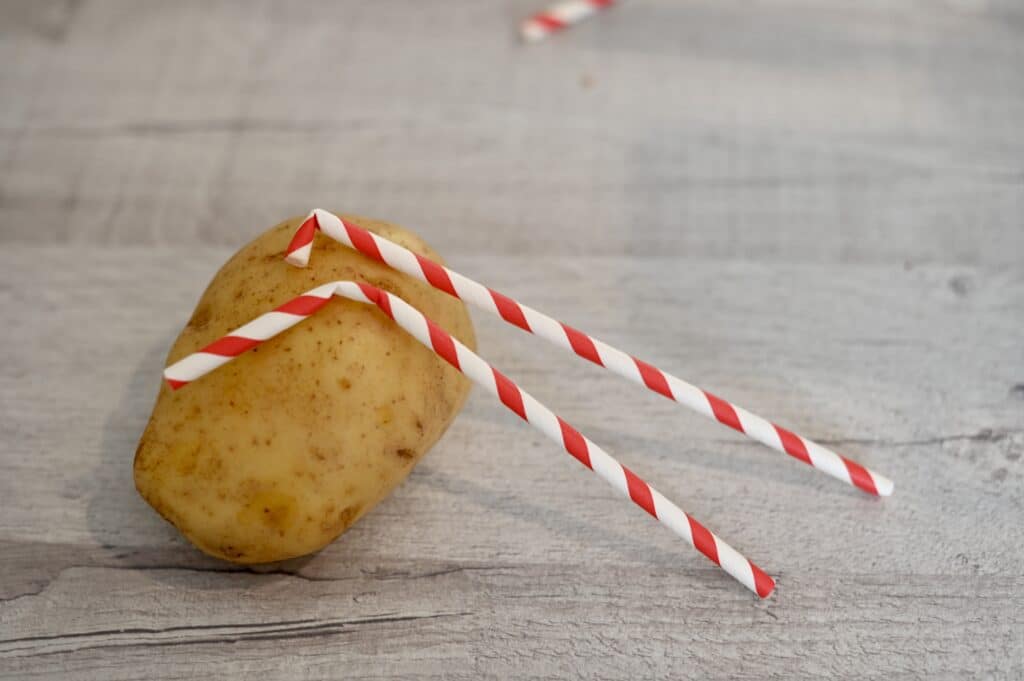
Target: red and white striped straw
column 519, row 401
column 585, row 346
column 560, row 16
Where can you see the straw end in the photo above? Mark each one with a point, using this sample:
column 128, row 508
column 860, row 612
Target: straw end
column 300, row 256
column 173, row 383
column 884, row 486
column 764, row 585
column 532, row 32
column 301, row 245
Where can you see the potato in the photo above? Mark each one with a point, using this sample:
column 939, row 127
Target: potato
column 278, row 452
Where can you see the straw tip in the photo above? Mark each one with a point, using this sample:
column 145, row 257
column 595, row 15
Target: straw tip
column 532, row 32
column 764, row 585
column 884, row 486
column 173, row 383
column 296, row 258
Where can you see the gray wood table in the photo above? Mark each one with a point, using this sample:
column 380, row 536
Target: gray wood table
column 813, row 209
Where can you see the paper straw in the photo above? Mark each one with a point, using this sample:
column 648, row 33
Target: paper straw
column 560, row 16
column 592, row 349
column 519, row 401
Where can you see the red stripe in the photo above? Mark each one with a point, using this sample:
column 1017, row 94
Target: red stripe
column 509, row 394
column 601, row 4
column 303, row 235
column 860, row 477
column 639, row 492
column 574, row 443
column 762, row 582
column 653, row 378
column 443, row 344
column 704, row 540
column 363, row 241
column 384, row 303
column 230, row 346
column 377, row 297
column 549, row 22
column 303, row 305
column 724, row 411
column 371, row 292
column 436, row 275
column 582, row 344
column 510, row 310
column 175, row 384
column 793, row 445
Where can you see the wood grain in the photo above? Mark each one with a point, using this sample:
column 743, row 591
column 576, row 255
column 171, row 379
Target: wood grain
column 479, row 569
column 814, row 210
column 778, row 131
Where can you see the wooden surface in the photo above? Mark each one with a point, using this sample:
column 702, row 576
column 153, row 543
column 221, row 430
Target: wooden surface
column 813, row 209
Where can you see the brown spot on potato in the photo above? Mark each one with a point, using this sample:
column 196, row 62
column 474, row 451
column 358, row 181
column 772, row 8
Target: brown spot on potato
column 231, row 552
column 336, row 524
column 272, row 509
column 405, row 453
column 200, row 318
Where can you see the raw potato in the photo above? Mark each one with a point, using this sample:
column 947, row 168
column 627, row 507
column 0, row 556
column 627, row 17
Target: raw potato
column 278, row 452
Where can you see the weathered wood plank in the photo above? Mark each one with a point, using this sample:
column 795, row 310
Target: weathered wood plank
column 812, row 209
column 474, row 568
column 780, row 131
column 522, row 621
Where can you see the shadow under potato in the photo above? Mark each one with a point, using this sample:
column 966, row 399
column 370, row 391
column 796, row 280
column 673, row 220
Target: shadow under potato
column 115, row 507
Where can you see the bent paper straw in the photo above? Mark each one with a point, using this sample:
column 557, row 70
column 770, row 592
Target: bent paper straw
column 517, row 400
column 587, row 347
column 560, row 16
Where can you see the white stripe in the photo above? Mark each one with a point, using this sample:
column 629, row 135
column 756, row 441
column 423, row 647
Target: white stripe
column 532, row 31
column 883, row 484
column 474, row 293
column 267, row 325
column 832, row 464
column 827, row 461
column 346, row 289
column 735, row 564
column 608, row 468
column 572, row 11
column 324, row 290
column 671, row 515
column 300, row 256
column 410, row 319
column 402, row 259
column 618, row 362
column 689, row 395
column 542, row 418
column 546, row 327
column 758, row 428
column 332, row 226
column 194, row 366
column 474, row 367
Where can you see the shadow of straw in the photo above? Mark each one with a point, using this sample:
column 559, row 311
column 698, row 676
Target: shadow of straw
column 630, row 548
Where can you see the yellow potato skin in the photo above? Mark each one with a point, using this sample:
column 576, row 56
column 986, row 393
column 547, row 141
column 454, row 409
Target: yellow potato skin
column 278, row 452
